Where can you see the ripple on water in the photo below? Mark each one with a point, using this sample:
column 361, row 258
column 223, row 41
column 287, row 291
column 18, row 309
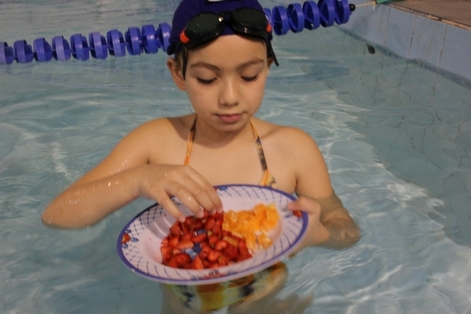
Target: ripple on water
column 374, row 118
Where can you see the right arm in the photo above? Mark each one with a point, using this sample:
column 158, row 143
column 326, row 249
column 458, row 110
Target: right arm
column 123, row 176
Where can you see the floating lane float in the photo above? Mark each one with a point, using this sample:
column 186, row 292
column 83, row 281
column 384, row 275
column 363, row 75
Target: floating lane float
column 296, row 17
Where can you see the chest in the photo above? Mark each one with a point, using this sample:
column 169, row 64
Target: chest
column 230, row 164
column 246, row 164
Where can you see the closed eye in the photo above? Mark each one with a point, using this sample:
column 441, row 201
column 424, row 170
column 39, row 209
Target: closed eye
column 250, row 78
column 205, row 82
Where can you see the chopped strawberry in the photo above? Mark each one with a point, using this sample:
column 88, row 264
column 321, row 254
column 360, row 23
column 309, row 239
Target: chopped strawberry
column 217, row 230
column 186, row 236
column 173, row 241
column 218, row 217
column 172, row 263
column 243, row 254
column 223, row 260
column 199, row 238
column 185, row 229
column 175, row 229
column 197, row 225
column 231, row 252
column 185, row 266
column 242, row 244
column 243, row 257
column 213, row 255
column 197, row 263
column 166, row 252
column 231, row 240
column 206, row 263
column 204, row 237
column 210, row 223
column 186, row 244
column 220, row 245
column 205, row 252
column 213, row 239
column 181, row 258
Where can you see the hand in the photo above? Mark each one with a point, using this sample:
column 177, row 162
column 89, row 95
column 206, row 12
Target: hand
column 160, row 182
column 317, row 233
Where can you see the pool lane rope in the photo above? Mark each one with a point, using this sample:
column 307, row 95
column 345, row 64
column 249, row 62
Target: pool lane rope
column 295, row 17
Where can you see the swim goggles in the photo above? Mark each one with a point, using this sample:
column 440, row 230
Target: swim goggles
column 207, row 26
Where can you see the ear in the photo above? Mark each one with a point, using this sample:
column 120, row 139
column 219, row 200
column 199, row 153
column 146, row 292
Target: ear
column 176, row 72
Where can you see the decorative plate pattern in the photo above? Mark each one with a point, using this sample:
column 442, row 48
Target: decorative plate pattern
column 139, row 242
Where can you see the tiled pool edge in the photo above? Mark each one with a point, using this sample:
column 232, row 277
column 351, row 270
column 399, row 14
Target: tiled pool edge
column 415, row 36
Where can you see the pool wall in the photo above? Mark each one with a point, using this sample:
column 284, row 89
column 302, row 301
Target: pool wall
column 415, row 36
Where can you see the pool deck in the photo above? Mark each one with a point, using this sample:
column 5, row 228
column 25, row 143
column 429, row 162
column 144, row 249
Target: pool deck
column 433, row 32
column 454, row 12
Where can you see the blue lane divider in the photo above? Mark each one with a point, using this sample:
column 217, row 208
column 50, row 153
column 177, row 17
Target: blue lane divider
column 98, row 45
column 61, row 48
column 23, row 51
column 43, row 51
column 295, row 18
column 79, row 47
column 149, row 41
column 116, row 44
column 133, row 41
column 312, row 16
column 6, row 53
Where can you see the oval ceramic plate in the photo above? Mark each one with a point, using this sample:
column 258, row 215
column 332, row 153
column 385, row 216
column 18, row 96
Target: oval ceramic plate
column 139, row 242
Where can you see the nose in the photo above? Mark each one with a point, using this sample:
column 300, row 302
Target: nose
column 229, row 94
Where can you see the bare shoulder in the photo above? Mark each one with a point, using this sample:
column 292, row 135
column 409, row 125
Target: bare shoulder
column 296, row 158
column 286, row 138
column 145, row 143
column 162, row 127
column 156, row 141
column 158, row 130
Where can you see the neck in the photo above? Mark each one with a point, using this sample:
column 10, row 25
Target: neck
column 209, row 136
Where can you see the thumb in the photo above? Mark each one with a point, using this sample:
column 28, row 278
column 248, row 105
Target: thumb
column 305, row 204
column 295, row 205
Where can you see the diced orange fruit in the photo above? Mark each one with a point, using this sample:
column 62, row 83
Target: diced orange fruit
column 252, row 225
column 264, row 241
column 250, row 239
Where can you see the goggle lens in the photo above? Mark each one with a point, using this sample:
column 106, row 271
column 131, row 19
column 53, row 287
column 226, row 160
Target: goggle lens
column 207, row 26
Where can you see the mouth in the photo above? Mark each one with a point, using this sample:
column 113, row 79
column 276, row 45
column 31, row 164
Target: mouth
column 230, row 118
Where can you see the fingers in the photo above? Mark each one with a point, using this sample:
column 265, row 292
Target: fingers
column 167, row 203
column 306, row 204
column 317, row 232
column 192, row 197
column 193, row 190
column 201, row 191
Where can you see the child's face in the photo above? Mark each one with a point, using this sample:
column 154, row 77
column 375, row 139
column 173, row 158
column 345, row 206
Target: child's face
column 225, row 81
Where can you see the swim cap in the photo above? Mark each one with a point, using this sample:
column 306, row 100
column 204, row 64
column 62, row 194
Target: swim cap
column 190, row 8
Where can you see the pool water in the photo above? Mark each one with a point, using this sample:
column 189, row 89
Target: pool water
column 395, row 135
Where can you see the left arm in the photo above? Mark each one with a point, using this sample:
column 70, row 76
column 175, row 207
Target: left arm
column 330, row 224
